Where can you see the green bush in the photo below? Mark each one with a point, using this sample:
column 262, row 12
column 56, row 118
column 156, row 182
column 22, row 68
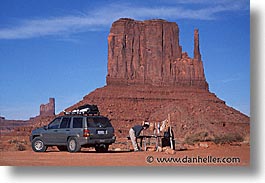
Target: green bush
column 228, row 138
column 217, row 139
column 197, row 137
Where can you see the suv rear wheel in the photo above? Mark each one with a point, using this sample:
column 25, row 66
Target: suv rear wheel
column 38, row 145
column 73, row 145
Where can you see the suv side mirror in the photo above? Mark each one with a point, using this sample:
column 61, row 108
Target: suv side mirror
column 45, row 127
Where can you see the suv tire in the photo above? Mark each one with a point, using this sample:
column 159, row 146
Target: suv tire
column 73, row 145
column 38, row 145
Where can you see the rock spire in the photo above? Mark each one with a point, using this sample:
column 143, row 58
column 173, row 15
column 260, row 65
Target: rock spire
column 197, row 54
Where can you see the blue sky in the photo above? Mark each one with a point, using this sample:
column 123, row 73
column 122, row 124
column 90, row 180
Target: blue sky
column 59, row 48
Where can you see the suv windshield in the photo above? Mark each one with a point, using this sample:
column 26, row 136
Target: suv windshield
column 98, row 122
column 55, row 123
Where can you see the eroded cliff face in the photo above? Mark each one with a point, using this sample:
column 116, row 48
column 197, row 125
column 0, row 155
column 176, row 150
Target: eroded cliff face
column 148, row 52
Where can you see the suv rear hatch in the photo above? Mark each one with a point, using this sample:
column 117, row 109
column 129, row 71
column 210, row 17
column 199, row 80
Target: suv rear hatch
column 99, row 127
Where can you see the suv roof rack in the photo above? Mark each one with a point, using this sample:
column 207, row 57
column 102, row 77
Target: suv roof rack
column 86, row 109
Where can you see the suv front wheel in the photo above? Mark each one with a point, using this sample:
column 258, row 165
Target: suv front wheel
column 38, row 145
column 73, row 145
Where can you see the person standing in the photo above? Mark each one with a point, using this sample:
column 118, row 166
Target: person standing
column 134, row 132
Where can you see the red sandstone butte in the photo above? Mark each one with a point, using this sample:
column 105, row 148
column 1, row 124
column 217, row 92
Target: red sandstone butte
column 150, row 77
column 148, row 52
column 48, row 109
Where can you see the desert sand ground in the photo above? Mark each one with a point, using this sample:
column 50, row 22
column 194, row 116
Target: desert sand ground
column 125, row 158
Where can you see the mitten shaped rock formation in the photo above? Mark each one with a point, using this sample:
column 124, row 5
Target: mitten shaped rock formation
column 150, row 77
column 148, row 52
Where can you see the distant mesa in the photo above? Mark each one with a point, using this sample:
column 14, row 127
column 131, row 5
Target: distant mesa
column 48, row 109
column 47, row 112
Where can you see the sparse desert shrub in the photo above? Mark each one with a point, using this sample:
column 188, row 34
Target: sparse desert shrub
column 20, row 147
column 15, row 141
column 197, row 137
column 228, row 138
column 12, row 141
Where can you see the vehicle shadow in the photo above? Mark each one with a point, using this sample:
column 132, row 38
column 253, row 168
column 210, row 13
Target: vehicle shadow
column 108, row 152
column 90, row 152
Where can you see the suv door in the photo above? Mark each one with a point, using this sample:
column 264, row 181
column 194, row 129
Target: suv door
column 63, row 131
column 50, row 133
column 77, row 126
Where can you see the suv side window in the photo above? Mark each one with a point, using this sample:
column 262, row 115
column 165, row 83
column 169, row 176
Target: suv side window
column 54, row 124
column 65, row 122
column 77, row 122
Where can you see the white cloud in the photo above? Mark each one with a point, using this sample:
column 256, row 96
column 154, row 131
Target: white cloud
column 234, row 78
column 103, row 17
column 51, row 26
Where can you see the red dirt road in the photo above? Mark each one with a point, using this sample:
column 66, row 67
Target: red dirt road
column 201, row 157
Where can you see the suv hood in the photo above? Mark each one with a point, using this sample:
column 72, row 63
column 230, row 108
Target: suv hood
column 38, row 130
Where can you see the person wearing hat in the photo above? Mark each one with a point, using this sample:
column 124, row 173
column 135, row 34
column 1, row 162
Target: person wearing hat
column 134, row 132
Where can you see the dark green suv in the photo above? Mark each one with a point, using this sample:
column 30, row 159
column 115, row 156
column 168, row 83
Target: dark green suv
column 71, row 132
